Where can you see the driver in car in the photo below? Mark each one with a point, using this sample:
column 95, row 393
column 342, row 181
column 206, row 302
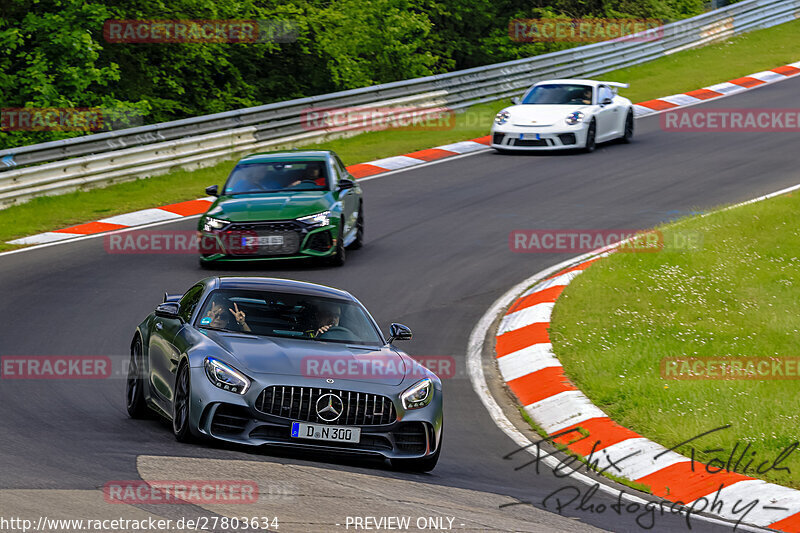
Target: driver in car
column 328, row 316
column 313, row 173
column 587, row 96
column 216, row 317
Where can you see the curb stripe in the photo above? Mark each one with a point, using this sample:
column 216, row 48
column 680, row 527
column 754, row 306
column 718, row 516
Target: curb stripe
column 362, row 170
column 790, row 524
column 787, row 70
column 680, row 482
column 513, row 341
column 563, row 410
column 90, row 227
column 748, row 82
column 537, row 386
column 546, row 295
column 703, row 94
column 530, row 359
column 602, row 433
column 530, row 315
column 190, row 208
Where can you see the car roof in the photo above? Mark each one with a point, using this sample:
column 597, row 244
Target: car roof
column 592, row 83
column 290, row 155
column 280, row 285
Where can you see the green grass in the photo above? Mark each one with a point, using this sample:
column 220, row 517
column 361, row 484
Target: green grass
column 680, row 72
column 735, row 295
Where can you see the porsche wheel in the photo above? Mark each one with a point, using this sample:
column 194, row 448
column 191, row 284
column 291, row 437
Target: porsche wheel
column 628, row 135
column 590, row 138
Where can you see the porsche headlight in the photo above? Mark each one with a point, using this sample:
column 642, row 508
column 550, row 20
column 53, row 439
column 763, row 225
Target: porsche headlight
column 574, row 118
column 318, row 220
column 211, row 224
column 502, row 117
column 226, row 377
column 418, row 395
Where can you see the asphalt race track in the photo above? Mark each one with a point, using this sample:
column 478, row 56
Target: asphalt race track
column 436, row 257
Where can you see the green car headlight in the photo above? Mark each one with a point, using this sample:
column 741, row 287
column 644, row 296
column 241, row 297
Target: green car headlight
column 317, row 221
column 211, row 224
column 418, row 395
column 225, row 377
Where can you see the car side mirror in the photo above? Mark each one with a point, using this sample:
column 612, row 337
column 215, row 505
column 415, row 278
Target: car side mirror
column 212, row 190
column 345, row 184
column 169, row 310
column 606, row 101
column 399, row 332
column 515, row 100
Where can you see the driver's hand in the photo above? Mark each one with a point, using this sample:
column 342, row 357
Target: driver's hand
column 238, row 315
column 322, row 330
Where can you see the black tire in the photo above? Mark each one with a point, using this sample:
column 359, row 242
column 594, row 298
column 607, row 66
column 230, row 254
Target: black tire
column 502, row 151
column 340, row 255
column 181, row 404
column 134, row 391
column 627, row 136
column 359, row 241
column 425, row 464
column 206, row 265
column 590, row 138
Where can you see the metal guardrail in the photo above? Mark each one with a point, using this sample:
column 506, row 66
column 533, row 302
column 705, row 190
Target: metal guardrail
column 96, row 160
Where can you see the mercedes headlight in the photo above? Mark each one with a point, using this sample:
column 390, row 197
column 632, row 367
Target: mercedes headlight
column 226, row 377
column 502, row 117
column 211, row 224
column 418, row 395
column 318, row 220
column 574, row 118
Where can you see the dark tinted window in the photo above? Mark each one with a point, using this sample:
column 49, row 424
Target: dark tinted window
column 286, row 176
column 295, row 316
column 189, row 301
column 559, row 93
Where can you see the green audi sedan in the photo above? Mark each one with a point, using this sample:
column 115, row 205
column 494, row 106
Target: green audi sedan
column 284, row 205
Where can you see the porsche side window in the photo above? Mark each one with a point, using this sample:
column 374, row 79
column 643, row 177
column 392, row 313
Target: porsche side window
column 189, row 301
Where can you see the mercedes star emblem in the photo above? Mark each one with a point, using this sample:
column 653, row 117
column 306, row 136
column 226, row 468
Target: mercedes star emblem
column 329, row 407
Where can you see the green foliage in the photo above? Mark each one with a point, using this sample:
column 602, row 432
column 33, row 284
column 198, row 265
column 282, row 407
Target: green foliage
column 53, row 52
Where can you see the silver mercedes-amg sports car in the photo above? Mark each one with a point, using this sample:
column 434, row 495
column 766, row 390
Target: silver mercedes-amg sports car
column 263, row 361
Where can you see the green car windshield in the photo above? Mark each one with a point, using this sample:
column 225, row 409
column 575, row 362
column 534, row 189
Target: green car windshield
column 277, row 176
column 296, row 316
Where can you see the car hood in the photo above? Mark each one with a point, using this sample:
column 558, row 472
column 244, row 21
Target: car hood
column 312, row 359
column 543, row 115
column 270, row 206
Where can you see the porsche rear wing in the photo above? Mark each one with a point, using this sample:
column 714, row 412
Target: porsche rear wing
column 615, row 84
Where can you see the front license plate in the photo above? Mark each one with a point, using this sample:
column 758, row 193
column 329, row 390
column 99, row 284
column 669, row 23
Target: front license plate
column 536, row 136
column 264, row 240
column 302, row 430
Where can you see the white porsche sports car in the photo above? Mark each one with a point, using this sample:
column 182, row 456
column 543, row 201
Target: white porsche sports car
column 564, row 114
